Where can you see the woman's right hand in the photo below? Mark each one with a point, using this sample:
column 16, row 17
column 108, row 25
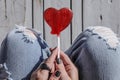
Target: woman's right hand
column 66, row 68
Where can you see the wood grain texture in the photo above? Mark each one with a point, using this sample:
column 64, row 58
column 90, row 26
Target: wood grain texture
column 85, row 13
column 102, row 12
column 38, row 15
column 3, row 13
column 28, row 13
column 77, row 18
column 65, row 35
column 14, row 12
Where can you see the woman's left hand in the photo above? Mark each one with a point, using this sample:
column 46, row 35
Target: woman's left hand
column 42, row 74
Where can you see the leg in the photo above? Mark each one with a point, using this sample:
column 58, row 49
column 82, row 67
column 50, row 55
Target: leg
column 23, row 52
column 96, row 53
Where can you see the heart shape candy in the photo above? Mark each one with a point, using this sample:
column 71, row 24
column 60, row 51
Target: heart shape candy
column 58, row 20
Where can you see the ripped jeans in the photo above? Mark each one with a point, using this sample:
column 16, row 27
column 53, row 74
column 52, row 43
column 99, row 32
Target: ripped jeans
column 95, row 52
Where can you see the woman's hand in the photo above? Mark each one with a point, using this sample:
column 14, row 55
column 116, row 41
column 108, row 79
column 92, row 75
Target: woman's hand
column 66, row 69
column 41, row 74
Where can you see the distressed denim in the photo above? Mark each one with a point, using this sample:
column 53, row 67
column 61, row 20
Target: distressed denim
column 95, row 52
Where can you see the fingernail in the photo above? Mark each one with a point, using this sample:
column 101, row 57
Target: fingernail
column 51, row 49
column 55, row 48
column 57, row 73
column 58, row 60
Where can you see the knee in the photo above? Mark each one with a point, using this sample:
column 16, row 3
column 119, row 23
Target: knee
column 21, row 33
column 100, row 57
column 104, row 34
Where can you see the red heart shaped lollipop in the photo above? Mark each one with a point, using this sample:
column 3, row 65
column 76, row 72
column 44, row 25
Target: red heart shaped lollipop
column 58, row 20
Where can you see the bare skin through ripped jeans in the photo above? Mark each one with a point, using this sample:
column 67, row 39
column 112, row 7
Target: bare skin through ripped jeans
column 95, row 52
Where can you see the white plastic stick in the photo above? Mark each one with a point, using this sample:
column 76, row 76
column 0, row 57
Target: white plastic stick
column 58, row 47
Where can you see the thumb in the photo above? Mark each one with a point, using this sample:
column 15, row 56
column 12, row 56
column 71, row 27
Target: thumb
column 55, row 76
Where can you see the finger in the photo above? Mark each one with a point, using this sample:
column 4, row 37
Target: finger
column 53, row 55
column 42, row 75
column 50, row 61
column 55, row 76
column 60, row 67
column 53, row 69
column 66, row 60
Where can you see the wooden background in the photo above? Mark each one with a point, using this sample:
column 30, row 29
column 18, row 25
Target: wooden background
column 85, row 13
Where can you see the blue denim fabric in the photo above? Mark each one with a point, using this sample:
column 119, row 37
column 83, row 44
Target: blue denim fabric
column 94, row 58
column 22, row 54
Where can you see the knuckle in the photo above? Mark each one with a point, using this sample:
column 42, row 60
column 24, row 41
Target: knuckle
column 37, row 74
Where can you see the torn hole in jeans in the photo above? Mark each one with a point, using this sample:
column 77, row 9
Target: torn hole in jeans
column 28, row 35
column 106, row 34
column 4, row 74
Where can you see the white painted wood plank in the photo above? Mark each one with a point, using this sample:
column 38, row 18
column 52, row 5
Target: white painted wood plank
column 102, row 12
column 65, row 35
column 38, row 15
column 28, row 13
column 3, row 33
column 3, row 15
column 17, row 12
column 77, row 18
column 13, row 12
column 91, row 12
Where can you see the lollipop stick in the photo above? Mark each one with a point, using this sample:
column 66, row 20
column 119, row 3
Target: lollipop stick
column 58, row 56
